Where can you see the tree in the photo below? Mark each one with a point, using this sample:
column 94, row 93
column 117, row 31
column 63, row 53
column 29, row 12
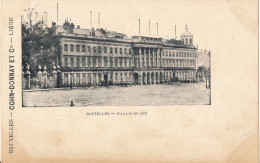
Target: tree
column 39, row 42
column 204, row 70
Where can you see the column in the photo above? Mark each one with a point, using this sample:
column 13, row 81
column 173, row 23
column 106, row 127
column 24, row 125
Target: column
column 114, row 74
column 102, row 76
column 150, row 78
column 62, row 81
column 127, row 77
column 28, row 79
column 80, row 78
column 108, row 76
column 91, row 61
column 160, row 54
column 123, row 76
column 123, row 62
column 80, row 61
column 92, row 77
column 69, row 79
column 113, row 62
column 154, row 77
column 157, row 60
column 145, row 77
column 145, row 64
column 141, row 78
column 102, row 61
column 153, row 58
column 127, row 62
column 149, row 58
column 108, row 61
column 75, row 61
column 44, row 75
column 75, row 78
column 140, row 56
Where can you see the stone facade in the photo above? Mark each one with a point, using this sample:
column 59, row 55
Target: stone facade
column 100, row 56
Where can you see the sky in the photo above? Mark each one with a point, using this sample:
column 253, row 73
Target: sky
column 206, row 20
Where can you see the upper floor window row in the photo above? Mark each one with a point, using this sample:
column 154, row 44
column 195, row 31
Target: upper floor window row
column 96, row 49
column 178, row 54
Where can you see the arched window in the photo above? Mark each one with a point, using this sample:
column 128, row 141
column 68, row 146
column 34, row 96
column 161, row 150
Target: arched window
column 191, row 41
column 186, row 41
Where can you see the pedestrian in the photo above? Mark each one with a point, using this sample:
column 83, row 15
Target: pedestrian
column 71, row 103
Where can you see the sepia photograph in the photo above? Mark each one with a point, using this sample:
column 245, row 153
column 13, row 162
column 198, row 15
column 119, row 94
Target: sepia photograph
column 65, row 63
column 129, row 81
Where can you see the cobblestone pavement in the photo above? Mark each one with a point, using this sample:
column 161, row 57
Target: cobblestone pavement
column 140, row 95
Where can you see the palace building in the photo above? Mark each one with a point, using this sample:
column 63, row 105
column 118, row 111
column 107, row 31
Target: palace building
column 89, row 56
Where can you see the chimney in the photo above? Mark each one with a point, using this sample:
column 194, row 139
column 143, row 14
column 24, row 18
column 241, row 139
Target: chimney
column 149, row 29
column 139, row 26
column 98, row 19
column 175, row 33
column 57, row 13
column 157, row 29
column 90, row 19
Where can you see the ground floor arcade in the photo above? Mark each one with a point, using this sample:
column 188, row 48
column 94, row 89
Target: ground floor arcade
column 131, row 77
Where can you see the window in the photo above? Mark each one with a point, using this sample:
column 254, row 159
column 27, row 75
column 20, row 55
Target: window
column 78, row 62
column 188, row 54
column 125, row 51
column 125, row 62
column 105, row 49
column 66, row 79
column 83, row 78
column 111, row 63
column 111, row 50
column 116, row 62
column 170, row 54
column 65, row 47
column 126, row 76
column 94, row 62
column 77, row 48
column 130, row 63
column 186, row 41
column 105, row 61
column 89, row 62
column 89, row 78
column 191, row 41
column 173, row 54
column 115, row 50
column 121, row 51
column 99, row 49
column 185, row 54
column 83, row 62
column 176, row 54
column 116, row 76
column 66, row 62
column 120, row 62
column 111, row 76
column 89, row 49
column 94, row 49
column 78, row 78
column 71, row 62
column 166, row 53
column 130, row 52
column 99, row 62
column 71, row 48
column 83, row 48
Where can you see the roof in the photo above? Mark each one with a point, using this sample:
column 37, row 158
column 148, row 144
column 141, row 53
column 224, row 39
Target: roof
column 186, row 33
column 93, row 32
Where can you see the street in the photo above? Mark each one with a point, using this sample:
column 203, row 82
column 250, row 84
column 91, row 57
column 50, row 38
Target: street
column 139, row 95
